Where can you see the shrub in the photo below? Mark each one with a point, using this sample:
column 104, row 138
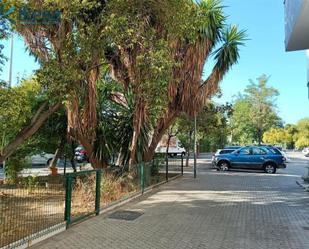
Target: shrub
column 14, row 165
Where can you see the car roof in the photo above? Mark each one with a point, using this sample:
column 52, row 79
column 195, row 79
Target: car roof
column 232, row 147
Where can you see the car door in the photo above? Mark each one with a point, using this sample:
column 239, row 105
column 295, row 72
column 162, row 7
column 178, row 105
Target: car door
column 241, row 158
column 258, row 157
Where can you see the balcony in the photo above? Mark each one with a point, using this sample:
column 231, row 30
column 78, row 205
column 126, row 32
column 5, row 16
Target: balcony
column 296, row 24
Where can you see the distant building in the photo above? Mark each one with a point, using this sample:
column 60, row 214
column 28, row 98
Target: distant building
column 297, row 27
column 296, row 24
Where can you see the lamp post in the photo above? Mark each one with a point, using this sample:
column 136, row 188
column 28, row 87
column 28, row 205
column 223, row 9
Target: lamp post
column 195, row 146
column 10, row 84
column 11, row 60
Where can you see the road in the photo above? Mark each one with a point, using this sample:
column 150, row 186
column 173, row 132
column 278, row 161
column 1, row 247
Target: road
column 218, row 210
column 43, row 170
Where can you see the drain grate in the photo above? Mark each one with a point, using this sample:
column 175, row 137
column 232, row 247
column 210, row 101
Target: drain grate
column 306, row 228
column 125, row 215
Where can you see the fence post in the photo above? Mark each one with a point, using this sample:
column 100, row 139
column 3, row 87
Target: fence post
column 166, row 168
column 142, row 177
column 68, row 198
column 182, row 164
column 98, row 191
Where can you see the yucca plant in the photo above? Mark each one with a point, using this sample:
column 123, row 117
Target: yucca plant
column 192, row 32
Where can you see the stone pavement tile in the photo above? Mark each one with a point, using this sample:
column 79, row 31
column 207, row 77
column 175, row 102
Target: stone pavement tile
column 233, row 210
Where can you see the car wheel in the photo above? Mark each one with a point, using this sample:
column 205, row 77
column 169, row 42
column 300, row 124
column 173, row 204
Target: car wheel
column 224, row 166
column 270, row 168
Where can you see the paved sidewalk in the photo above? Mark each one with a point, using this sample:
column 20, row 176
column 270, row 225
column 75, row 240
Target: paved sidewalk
column 233, row 210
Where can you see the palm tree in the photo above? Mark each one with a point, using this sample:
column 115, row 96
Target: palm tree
column 186, row 91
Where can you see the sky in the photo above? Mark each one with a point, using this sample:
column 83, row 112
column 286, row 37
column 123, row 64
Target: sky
column 263, row 53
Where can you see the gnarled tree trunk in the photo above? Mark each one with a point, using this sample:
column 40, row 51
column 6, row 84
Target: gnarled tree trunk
column 36, row 122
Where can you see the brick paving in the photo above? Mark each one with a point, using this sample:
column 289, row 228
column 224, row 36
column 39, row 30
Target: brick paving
column 232, row 210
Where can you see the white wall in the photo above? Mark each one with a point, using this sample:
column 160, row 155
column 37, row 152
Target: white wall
column 296, row 24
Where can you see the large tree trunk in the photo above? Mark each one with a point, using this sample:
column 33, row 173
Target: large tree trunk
column 82, row 122
column 58, row 153
column 162, row 125
column 138, row 120
column 36, row 122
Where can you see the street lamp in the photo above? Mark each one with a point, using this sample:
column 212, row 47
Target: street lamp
column 11, row 60
column 10, row 84
column 195, row 146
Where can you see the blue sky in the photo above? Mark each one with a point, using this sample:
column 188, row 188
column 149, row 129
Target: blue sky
column 263, row 53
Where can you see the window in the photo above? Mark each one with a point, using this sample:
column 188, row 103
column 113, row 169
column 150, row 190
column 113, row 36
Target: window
column 274, row 150
column 245, row 151
column 258, row 151
column 226, row 151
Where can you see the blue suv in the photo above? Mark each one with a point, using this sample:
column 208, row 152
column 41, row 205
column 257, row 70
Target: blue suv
column 266, row 158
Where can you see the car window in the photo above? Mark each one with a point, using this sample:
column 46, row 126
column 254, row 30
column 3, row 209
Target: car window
column 258, row 151
column 225, row 151
column 274, row 150
column 245, row 151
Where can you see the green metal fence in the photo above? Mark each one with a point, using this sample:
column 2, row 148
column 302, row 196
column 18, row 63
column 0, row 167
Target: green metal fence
column 43, row 203
column 82, row 195
column 29, row 207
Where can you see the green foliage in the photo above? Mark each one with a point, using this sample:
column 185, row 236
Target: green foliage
column 142, row 34
column 49, row 136
column 254, row 112
column 30, row 182
column 159, row 162
column 228, row 54
column 4, row 30
column 281, row 136
column 17, row 105
column 115, row 124
column 14, row 165
column 212, row 128
column 302, row 136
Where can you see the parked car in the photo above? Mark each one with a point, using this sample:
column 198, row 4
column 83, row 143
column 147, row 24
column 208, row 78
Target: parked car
column 233, row 147
column 173, row 150
column 305, row 151
column 221, row 152
column 265, row 158
column 41, row 159
column 80, row 154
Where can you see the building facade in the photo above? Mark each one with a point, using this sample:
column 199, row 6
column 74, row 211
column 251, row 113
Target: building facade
column 297, row 28
column 296, row 24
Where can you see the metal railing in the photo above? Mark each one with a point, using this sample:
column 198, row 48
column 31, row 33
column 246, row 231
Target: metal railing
column 28, row 208
column 82, row 195
column 43, row 203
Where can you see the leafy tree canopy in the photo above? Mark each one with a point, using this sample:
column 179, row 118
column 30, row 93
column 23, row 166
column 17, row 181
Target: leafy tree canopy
column 254, row 112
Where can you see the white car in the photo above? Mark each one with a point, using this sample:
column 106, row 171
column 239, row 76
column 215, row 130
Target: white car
column 41, row 159
column 287, row 159
column 305, row 151
column 172, row 150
